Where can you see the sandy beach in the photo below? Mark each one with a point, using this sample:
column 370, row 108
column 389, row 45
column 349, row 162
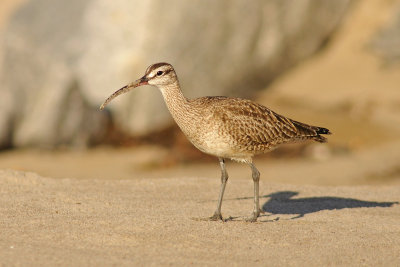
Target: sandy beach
column 68, row 222
column 122, row 214
column 149, row 222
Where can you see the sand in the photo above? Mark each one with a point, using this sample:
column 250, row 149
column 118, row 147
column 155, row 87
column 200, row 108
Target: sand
column 111, row 206
column 70, row 222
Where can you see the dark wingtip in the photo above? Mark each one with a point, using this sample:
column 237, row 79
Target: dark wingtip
column 321, row 130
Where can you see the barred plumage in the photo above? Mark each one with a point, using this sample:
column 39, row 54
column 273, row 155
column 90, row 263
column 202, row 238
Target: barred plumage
column 225, row 127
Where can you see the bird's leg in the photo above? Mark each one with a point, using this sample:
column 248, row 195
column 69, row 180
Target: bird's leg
column 256, row 179
column 224, row 178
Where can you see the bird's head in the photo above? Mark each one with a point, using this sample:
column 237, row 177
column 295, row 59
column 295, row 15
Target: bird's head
column 159, row 74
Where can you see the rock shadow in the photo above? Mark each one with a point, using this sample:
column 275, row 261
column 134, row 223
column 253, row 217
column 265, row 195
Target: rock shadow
column 282, row 203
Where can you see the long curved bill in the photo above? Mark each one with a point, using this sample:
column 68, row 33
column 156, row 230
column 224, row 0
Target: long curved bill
column 126, row 88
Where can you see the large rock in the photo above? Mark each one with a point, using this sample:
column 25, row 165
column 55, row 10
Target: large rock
column 61, row 59
column 356, row 79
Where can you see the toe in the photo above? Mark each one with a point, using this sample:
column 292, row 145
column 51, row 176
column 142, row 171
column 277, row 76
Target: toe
column 215, row 217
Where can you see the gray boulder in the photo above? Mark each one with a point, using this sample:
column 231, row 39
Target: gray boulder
column 61, row 59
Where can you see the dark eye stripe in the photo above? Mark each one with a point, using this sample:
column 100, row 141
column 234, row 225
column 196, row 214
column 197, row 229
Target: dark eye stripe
column 163, row 72
column 158, row 65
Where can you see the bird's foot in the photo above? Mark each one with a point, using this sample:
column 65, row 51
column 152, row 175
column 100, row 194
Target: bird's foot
column 254, row 216
column 216, row 217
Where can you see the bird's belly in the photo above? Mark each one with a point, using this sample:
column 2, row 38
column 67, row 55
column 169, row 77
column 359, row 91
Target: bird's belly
column 221, row 146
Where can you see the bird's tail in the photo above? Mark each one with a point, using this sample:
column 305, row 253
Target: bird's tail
column 311, row 132
column 319, row 137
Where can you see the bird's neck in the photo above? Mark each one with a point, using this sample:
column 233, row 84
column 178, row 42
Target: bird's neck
column 176, row 102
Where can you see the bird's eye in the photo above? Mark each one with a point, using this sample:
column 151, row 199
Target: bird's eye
column 159, row 73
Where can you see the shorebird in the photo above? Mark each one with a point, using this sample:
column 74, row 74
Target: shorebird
column 228, row 128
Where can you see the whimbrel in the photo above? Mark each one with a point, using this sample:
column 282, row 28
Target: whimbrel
column 228, row 128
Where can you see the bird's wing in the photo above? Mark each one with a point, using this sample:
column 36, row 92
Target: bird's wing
column 256, row 126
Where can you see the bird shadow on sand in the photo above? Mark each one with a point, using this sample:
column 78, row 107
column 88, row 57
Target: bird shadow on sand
column 283, row 203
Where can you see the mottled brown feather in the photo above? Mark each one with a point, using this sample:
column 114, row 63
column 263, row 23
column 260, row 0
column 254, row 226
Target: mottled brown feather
column 253, row 127
column 227, row 127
